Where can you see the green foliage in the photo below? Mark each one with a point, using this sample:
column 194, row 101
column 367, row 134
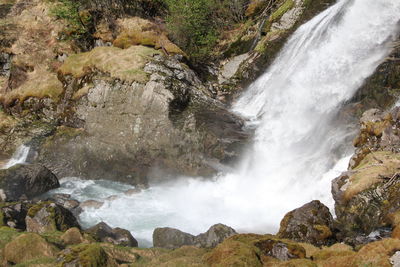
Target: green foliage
column 195, row 25
column 69, row 11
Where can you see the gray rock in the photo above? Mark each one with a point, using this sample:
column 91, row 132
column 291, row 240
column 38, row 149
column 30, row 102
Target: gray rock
column 190, row 131
column 102, row 232
column 49, row 217
column 26, row 181
column 14, row 214
column 215, row 235
column 280, row 250
column 311, row 223
column 171, row 238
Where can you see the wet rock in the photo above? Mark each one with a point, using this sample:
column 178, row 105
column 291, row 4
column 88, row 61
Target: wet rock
column 48, row 217
column 91, row 204
column 26, row 181
column 311, row 223
column 215, row 235
column 171, row 238
column 112, row 198
column 118, row 236
column 67, row 202
column 26, row 247
column 131, row 192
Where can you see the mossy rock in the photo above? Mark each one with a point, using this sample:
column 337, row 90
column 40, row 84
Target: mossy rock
column 85, row 255
column 7, row 234
column 28, row 247
column 124, row 64
column 40, row 262
column 49, row 217
column 233, row 253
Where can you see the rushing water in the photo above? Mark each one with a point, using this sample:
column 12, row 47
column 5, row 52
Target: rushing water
column 20, row 156
column 297, row 143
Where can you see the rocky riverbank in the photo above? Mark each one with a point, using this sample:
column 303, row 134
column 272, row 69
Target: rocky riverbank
column 45, row 232
column 100, row 90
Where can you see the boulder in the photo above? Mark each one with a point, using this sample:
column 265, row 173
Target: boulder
column 101, row 232
column 28, row 247
column 26, row 181
column 48, row 217
column 67, row 202
column 311, row 223
column 173, row 238
column 72, row 236
column 85, row 255
column 215, row 235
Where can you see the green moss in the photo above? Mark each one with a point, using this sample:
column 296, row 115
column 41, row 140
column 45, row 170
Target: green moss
column 88, row 255
column 285, row 7
column 123, row 64
column 6, row 235
column 77, row 22
column 54, row 238
column 37, row 262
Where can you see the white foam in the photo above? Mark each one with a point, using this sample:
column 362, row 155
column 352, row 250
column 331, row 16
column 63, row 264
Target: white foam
column 297, row 143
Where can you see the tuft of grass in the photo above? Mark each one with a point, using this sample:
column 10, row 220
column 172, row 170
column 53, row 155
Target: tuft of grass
column 123, row 64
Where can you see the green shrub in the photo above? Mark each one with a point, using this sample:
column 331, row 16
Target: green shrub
column 195, row 25
column 77, row 21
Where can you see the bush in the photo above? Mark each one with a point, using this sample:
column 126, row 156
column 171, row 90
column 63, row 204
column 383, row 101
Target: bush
column 69, row 11
column 195, row 25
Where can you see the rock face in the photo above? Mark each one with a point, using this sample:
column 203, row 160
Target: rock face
column 257, row 47
column 118, row 236
column 311, row 223
column 191, row 133
column 49, row 217
column 26, row 181
column 173, row 238
column 366, row 196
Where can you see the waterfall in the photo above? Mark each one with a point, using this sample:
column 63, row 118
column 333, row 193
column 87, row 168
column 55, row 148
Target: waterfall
column 296, row 148
column 19, row 156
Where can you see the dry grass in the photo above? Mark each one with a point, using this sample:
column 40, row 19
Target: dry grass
column 36, row 47
column 40, row 84
column 6, row 122
column 137, row 31
column 124, row 64
column 371, row 170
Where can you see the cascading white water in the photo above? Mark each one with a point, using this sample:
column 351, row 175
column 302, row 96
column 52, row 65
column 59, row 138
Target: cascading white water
column 293, row 106
column 19, row 156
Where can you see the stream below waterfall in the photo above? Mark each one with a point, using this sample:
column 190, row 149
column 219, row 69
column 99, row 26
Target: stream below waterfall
column 298, row 147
